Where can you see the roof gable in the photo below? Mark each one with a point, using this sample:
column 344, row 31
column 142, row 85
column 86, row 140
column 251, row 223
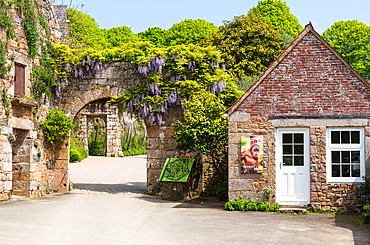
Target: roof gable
column 306, row 32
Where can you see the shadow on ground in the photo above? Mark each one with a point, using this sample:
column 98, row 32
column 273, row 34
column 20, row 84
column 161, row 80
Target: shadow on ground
column 134, row 187
column 361, row 232
column 204, row 202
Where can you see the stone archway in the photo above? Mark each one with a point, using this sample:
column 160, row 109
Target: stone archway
column 115, row 78
column 100, row 110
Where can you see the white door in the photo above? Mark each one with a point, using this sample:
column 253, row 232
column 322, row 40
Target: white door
column 293, row 167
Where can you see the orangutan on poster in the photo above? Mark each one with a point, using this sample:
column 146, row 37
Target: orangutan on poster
column 252, row 154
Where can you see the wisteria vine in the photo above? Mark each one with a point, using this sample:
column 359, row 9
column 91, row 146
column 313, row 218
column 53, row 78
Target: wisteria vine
column 169, row 75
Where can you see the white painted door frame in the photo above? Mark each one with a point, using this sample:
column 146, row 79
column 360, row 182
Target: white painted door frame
column 292, row 182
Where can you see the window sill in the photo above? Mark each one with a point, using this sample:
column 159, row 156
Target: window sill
column 332, row 182
column 24, row 102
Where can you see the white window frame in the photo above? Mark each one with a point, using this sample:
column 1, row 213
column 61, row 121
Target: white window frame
column 340, row 147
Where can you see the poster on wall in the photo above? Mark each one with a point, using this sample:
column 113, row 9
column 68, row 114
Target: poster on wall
column 252, row 154
column 176, row 169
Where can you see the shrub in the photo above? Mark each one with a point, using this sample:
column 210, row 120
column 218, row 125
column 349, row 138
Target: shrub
column 56, row 127
column 74, row 155
column 249, row 205
column 76, row 151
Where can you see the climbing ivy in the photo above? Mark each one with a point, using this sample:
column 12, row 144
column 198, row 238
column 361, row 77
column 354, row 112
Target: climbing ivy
column 30, row 26
column 6, row 24
column 6, row 101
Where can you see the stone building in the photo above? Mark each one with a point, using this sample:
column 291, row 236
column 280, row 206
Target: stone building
column 310, row 112
column 25, row 168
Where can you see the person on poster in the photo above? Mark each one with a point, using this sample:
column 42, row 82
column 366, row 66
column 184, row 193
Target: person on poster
column 251, row 156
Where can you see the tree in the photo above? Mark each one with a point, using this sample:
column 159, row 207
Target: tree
column 276, row 14
column 189, row 32
column 351, row 39
column 117, row 36
column 205, row 128
column 248, row 45
column 84, row 31
column 155, row 35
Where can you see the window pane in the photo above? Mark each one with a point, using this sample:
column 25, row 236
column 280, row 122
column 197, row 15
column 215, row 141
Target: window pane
column 287, row 138
column 298, row 149
column 355, row 156
column 345, row 137
column 345, row 157
column 298, row 138
column 355, row 170
column 335, row 171
column 345, row 171
column 355, row 137
column 287, row 160
column 298, row 161
column 335, row 137
column 287, row 149
column 335, row 156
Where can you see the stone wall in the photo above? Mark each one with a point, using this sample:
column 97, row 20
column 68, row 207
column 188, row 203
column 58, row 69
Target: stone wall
column 23, row 161
column 250, row 185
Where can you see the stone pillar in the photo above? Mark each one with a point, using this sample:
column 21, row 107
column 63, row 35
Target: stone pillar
column 5, row 163
column 160, row 145
column 60, row 169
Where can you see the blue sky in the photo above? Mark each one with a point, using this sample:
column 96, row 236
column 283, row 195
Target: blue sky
column 142, row 14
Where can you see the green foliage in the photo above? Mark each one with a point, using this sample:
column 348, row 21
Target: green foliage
column 6, row 102
column 6, row 22
column 43, row 75
column 84, row 31
column 248, row 45
column 218, row 189
column 189, row 32
column 134, row 152
column 97, row 139
column 246, row 82
column 351, row 40
column 184, row 71
column 30, row 27
column 4, row 67
column 56, row 127
column 276, row 14
column 76, row 150
column 154, row 35
column 366, row 207
column 134, row 143
column 249, row 205
column 117, row 36
column 205, row 128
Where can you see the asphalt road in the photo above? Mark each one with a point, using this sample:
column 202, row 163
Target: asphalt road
column 118, row 213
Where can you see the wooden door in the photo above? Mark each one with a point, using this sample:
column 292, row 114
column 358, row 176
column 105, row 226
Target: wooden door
column 19, row 80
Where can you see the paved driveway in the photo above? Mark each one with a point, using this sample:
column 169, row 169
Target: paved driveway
column 109, row 175
column 129, row 217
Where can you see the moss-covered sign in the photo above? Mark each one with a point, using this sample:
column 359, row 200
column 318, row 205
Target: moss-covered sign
column 176, row 169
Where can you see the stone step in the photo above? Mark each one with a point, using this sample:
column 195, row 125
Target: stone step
column 290, row 209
